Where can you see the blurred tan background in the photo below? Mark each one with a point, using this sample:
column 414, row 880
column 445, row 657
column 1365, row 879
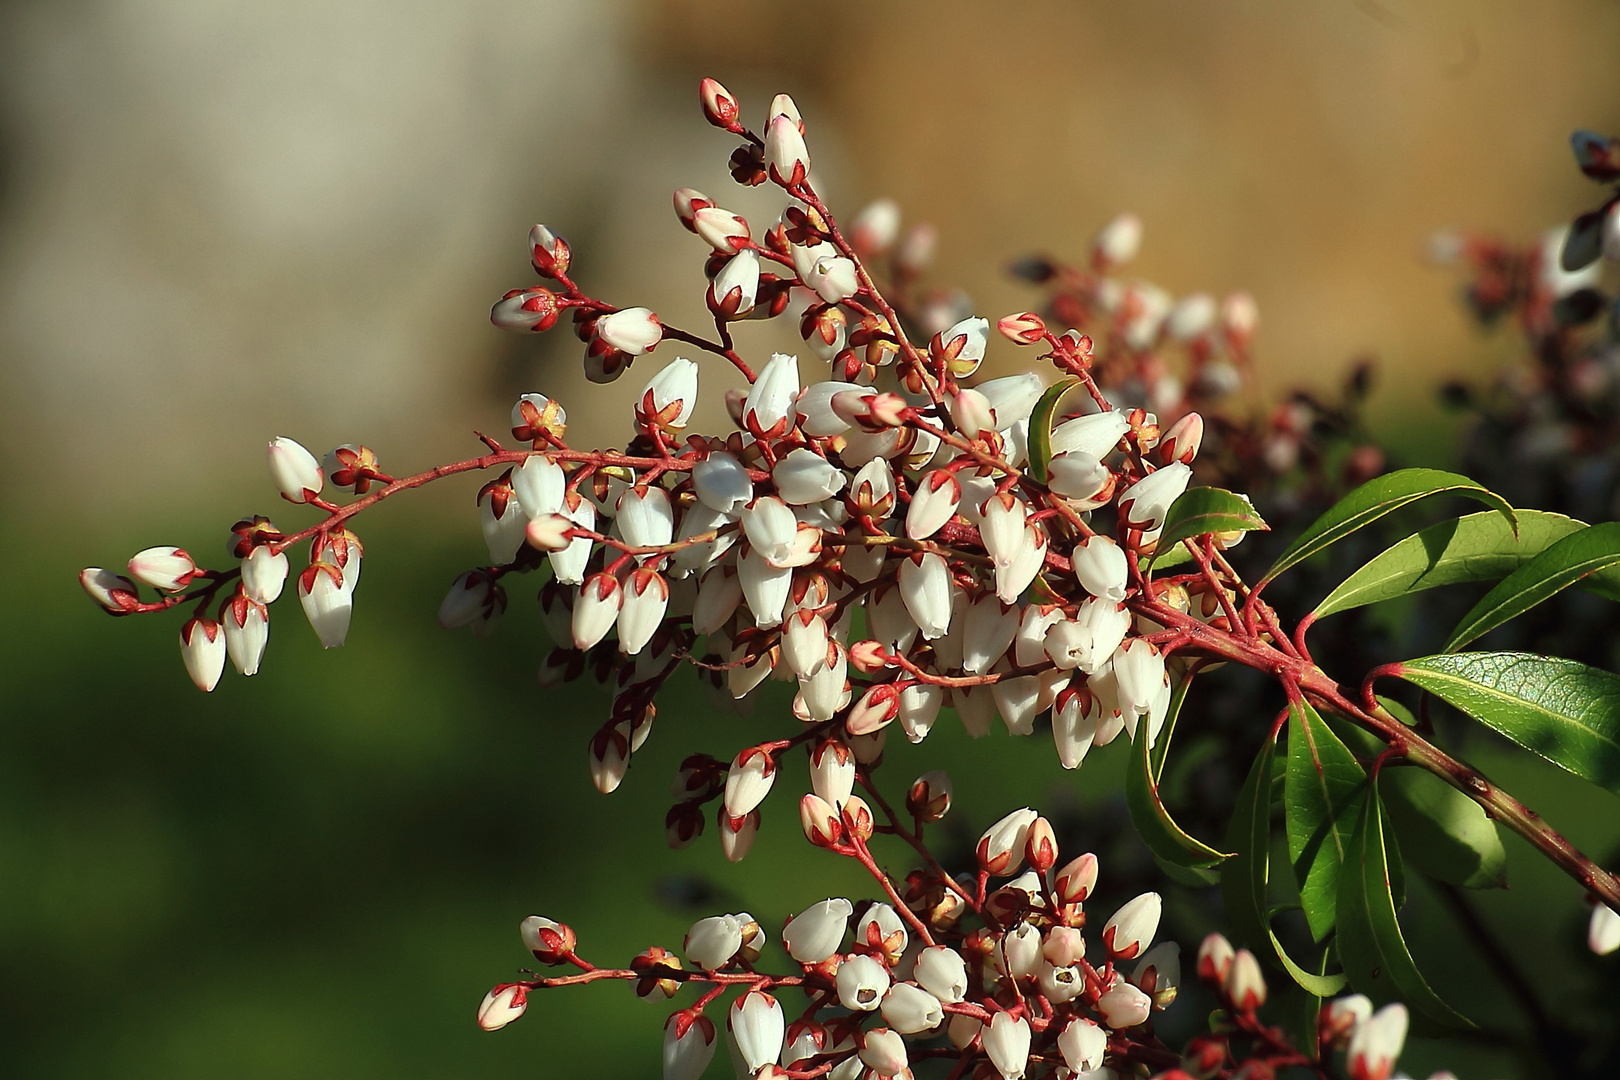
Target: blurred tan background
column 223, row 222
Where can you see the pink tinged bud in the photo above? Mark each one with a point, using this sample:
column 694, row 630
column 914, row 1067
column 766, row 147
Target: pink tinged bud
column 862, row 982
column 646, row 596
column 815, row 933
column 821, row 822
column 712, row 942
column 1083, row 1044
column 919, row 707
column 596, row 609
column 1040, row 846
column 166, row 568
column 785, row 153
column 549, row 532
column 1117, row 242
column 1181, row 442
column 876, row 709
column 1012, row 398
column 1603, row 931
column 202, row 647
column 294, row 470
column 328, row 604
column 525, row 310
column 971, row 412
column 1076, row 880
column 749, row 780
column 112, row 591
column 1101, row 567
column 1131, row 930
column 925, row 587
column 264, row 573
column 1377, row 1043
column 876, row 227
column 884, row 1051
column 247, row 630
column 1339, row 1018
column 633, row 330
column 1244, row 986
column 550, row 941
column 758, row 1027
column 833, row 278
column 1024, row 328
column 569, row 564
column 934, row 503
column 689, row 1044
column 501, row 1006
column 548, row 252
column 768, row 411
column 1065, row 946
column 942, row 972
column 1001, row 849
column 1215, row 957
column 1006, row 1042
column 910, row 1010
column 720, row 109
column 724, row 231
column 688, row 202
column 1144, row 504
column 804, row 477
column 1124, row 1006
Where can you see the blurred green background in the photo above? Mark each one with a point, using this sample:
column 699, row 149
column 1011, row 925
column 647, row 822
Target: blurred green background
column 221, row 224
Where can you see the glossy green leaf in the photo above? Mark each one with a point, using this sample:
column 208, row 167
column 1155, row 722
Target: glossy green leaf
column 1166, row 839
column 1369, row 942
column 1201, row 510
column 1321, row 800
column 1169, row 556
column 1564, row 563
column 1448, row 835
column 1040, row 428
column 1248, row 837
column 1478, row 547
column 1373, row 500
column 1562, row 710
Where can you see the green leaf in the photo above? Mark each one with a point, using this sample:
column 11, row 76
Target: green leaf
column 1248, row 837
column 1369, row 942
column 1448, row 835
column 1321, row 799
column 1040, row 428
column 1373, row 500
column 1169, row 556
column 1246, row 873
column 1203, row 510
column 1562, row 710
column 1166, row 839
column 1565, row 562
column 1479, row 547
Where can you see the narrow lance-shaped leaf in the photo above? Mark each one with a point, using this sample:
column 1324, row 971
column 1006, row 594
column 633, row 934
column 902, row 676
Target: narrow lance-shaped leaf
column 1561, row 565
column 1373, row 500
column 1040, row 428
column 1562, row 710
column 1478, row 547
column 1203, row 510
column 1152, row 819
column 1369, row 942
column 1246, row 873
column 1321, row 799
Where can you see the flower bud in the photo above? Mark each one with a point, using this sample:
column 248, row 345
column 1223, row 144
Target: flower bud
column 720, row 109
column 327, row 603
column 1181, row 442
column 883, row 1050
column 1000, row 850
column 1244, row 986
column 929, row 798
column 501, row 1006
column 689, row 1044
column 764, row 587
column 202, row 647
column 641, row 612
column 166, row 568
column 548, row 252
column 596, row 609
column 971, row 412
column 115, row 593
column 1341, row 1018
column 1040, row 845
column 855, row 815
column 821, row 822
column 247, row 629
column 875, row 228
column 1215, row 959
column 294, row 470
column 737, row 834
column 667, row 401
column 749, row 780
column 632, row 330
column 551, row 942
column 532, row 310
column 712, row 942
column 919, row 708
column 1124, row 1006
column 757, row 1026
column 1012, row 398
column 961, row 347
column 875, row 710
column 786, row 156
column 1144, row 504
column 722, row 230
column 1377, row 1043
column 933, row 504
column 1006, row 1042
column 816, row 933
column 1077, row 475
column 833, row 278
column 768, row 410
column 1128, row 934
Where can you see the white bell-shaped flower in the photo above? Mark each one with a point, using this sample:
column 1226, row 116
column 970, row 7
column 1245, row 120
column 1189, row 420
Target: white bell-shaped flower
column 823, row 690
column 327, row 603
column 633, row 330
column 669, row 397
column 1012, row 398
column 815, row 412
column 646, row 597
column 539, row 484
column 832, row 772
column 294, row 469
column 933, row 504
column 689, row 1045
column 1083, row 1043
column 202, row 648
column 569, row 564
column 1077, row 475
column 764, row 587
column 1096, row 435
column 1014, row 577
column 718, row 595
column 1101, row 567
column 1144, row 504
column 721, row 483
column 1377, row 1043
column 770, row 527
column 833, row 278
column 1061, row 984
column 264, row 574
column 919, row 708
column 1074, row 725
column 646, row 518
column 861, row 983
column 1002, row 528
column 749, row 780
column 247, row 630
column 768, row 409
column 1018, row 701
column 942, row 972
column 804, row 476
column 910, row 1009
column 758, row 1027
column 987, row 633
column 1006, row 1042
column 925, row 586
column 883, row 1051
column 816, row 933
column 735, row 289
column 712, row 942
column 596, row 609
column 1124, row 1006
